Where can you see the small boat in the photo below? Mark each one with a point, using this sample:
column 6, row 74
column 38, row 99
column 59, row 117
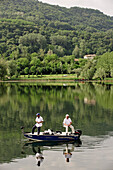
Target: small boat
column 57, row 136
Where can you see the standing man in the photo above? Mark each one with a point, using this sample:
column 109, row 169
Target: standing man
column 67, row 123
column 39, row 121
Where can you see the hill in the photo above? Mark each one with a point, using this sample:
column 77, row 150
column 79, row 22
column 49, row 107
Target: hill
column 40, row 13
column 43, row 38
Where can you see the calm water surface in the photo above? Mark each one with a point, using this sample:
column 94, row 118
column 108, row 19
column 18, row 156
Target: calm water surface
column 91, row 109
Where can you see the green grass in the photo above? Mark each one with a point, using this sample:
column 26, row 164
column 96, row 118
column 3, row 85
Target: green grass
column 108, row 78
column 44, row 78
column 64, row 78
column 50, row 77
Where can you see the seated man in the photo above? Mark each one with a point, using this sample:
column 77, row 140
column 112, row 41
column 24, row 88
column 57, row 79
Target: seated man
column 67, row 123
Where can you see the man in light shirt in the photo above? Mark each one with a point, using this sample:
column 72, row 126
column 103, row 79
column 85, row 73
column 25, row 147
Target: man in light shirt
column 67, row 123
column 38, row 125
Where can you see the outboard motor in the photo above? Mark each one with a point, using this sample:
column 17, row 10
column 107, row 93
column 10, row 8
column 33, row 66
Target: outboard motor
column 78, row 132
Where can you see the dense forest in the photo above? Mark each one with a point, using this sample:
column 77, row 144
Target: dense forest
column 38, row 38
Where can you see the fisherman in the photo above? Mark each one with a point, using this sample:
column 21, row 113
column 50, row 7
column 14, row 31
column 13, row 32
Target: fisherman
column 67, row 123
column 38, row 125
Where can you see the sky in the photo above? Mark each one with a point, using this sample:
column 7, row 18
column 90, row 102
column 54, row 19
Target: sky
column 105, row 6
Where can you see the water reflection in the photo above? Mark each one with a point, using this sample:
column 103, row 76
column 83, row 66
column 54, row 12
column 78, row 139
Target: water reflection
column 38, row 155
column 38, row 148
column 96, row 153
column 67, row 152
column 90, row 106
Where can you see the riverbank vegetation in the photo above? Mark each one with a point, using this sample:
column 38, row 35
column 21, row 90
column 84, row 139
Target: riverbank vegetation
column 41, row 39
column 100, row 67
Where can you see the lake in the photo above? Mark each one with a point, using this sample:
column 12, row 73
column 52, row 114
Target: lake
column 90, row 106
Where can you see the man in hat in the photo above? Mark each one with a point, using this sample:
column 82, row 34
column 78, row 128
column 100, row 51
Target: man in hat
column 67, row 123
column 38, row 125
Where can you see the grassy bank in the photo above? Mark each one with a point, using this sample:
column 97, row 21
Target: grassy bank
column 50, row 77
column 53, row 78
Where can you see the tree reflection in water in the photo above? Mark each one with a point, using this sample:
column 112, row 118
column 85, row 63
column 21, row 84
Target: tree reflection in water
column 90, row 106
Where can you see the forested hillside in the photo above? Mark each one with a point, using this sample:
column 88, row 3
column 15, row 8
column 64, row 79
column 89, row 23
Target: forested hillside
column 42, row 38
column 45, row 14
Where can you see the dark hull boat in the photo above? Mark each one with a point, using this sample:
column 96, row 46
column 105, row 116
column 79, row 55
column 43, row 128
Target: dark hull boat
column 57, row 136
column 51, row 137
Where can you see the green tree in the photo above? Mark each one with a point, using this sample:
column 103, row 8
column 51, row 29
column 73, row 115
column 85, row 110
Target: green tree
column 26, row 70
column 59, row 51
column 76, row 52
column 22, row 63
column 12, row 68
column 3, row 69
column 35, row 61
column 33, row 70
column 105, row 61
column 88, row 70
column 33, row 41
column 77, row 71
column 100, row 73
column 82, row 48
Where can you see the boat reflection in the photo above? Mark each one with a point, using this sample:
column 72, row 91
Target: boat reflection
column 38, row 148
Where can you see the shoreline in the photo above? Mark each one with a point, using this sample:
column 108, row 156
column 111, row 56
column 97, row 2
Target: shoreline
column 54, row 80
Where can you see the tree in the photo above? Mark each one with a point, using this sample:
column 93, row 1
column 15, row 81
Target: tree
column 41, row 54
column 22, row 63
column 88, row 70
column 77, row 71
column 59, row 51
column 76, row 51
column 3, row 69
column 15, row 54
column 105, row 61
column 100, row 73
column 33, row 70
column 26, row 70
column 11, row 68
column 59, row 40
column 33, row 41
column 82, row 48
column 90, row 73
column 35, row 62
column 69, row 69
